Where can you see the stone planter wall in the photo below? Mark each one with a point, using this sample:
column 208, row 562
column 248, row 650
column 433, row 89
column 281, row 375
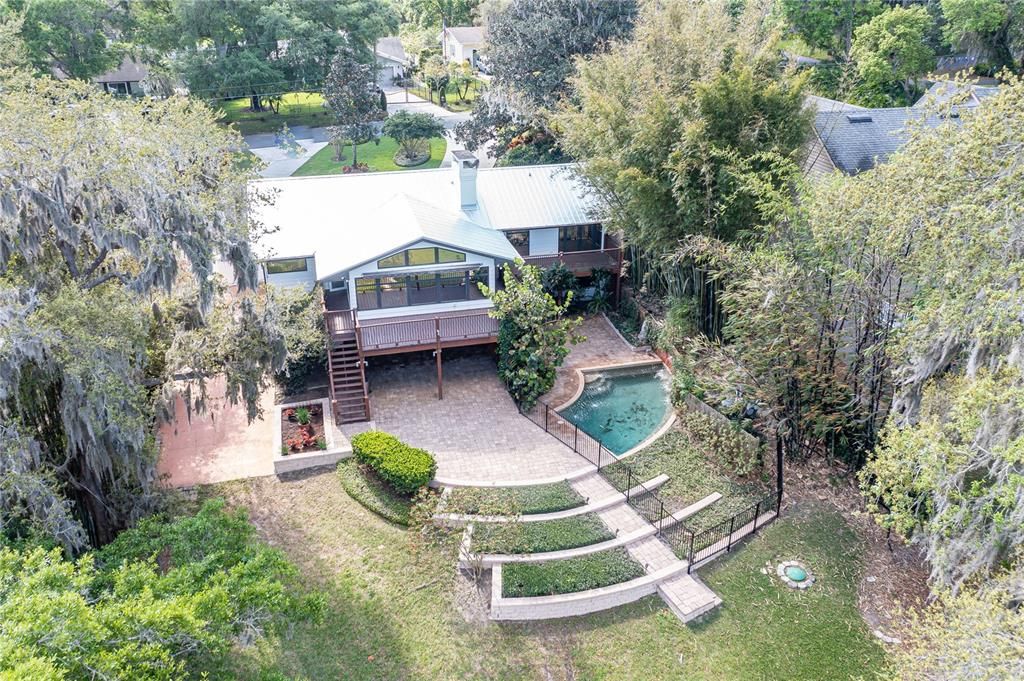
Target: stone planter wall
column 338, row 446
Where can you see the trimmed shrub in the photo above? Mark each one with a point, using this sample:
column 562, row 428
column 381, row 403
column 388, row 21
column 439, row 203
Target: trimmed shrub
column 404, row 468
column 407, row 469
column 373, row 446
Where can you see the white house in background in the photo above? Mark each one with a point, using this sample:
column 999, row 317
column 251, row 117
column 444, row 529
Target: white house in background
column 392, row 60
column 400, row 255
column 463, row 43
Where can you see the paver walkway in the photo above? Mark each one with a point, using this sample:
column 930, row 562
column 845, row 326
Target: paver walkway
column 476, row 433
column 685, row 594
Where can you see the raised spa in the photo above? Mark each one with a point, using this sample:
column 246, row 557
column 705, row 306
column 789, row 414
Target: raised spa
column 622, row 407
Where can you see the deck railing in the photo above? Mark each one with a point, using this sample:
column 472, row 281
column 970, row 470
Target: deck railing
column 400, row 333
column 607, row 258
column 570, row 435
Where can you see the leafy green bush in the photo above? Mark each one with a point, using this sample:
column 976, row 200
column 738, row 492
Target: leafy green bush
column 736, row 450
column 302, row 324
column 165, row 600
column 569, row 576
column 407, row 469
column 403, row 467
column 372, row 446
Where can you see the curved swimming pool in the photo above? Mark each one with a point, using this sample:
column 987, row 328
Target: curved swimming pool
column 622, row 407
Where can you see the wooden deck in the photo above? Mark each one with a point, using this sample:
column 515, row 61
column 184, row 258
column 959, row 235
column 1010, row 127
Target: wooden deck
column 390, row 335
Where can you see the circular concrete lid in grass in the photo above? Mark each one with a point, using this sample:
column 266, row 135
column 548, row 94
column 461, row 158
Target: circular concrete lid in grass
column 795, row 574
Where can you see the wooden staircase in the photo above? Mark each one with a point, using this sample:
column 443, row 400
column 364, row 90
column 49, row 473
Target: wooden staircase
column 348, row 381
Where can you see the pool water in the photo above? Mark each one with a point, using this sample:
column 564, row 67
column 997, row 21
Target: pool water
column 622, row 408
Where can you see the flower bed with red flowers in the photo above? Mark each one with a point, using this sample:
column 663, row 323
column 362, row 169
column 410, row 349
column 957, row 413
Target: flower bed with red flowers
column 302, row 429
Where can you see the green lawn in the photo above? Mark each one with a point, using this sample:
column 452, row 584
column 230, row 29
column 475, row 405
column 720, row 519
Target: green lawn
column 378, row 156
column 795, row 45
column 297, row 108
column 691, row 478
column 397, row 611
column 558, row 496
column 540, row 537
column 593, row 571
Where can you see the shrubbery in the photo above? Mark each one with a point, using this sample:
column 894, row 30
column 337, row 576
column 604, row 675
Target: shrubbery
column 406, row 469
column 733, row 448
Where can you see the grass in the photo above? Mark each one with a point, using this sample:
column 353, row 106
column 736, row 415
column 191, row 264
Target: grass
column 795, row 45
column 296, row 108
column 539, row 537
column 558, row 496
column 365, row 487
column 691, row 478
column 396, row 610
column 452, row 101
column 569, row 576
column 378, row 156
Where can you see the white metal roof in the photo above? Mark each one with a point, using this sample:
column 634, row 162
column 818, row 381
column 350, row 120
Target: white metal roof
column 403, row 221
column 339, row 219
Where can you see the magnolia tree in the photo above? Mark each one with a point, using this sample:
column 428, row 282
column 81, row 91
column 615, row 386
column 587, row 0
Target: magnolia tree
column 413, row 132
column 113, row 215
column 534, row 333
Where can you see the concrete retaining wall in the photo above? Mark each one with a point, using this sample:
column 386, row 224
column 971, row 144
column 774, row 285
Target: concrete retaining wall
column 579, row 603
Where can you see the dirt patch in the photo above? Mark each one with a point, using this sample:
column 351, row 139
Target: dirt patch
column 895, row 575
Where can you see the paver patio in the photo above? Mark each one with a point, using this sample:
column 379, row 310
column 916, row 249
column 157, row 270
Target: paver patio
column 476, row 433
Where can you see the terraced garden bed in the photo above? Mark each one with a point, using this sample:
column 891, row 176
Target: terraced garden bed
column 559, row 496
column 540, row 537
column 569, row 576
column 691, row 478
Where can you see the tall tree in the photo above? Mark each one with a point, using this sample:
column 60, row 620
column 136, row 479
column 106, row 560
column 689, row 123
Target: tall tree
column 534, row 333
column 112, row 217
column 993, row 29
column 829, row 24
column 239, row 48
column 682, row 135
column 892, row 49
column 73, row 38
column 350, row 92
column 531, row 44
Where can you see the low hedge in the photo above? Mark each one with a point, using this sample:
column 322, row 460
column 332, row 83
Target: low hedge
column 569, row 576
column 406, row 469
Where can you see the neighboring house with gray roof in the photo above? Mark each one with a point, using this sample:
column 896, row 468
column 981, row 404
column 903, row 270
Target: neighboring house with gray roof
column 852, row 139
column 392, row 59
column 126, row 79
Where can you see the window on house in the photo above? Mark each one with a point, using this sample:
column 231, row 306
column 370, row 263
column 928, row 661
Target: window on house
column 286, row 266
column 579, row 238
column 421, row 256
column 421, row 288
column 520, row 241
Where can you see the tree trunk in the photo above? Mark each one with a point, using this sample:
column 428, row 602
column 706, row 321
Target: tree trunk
column 254, row 103
column 355, row 158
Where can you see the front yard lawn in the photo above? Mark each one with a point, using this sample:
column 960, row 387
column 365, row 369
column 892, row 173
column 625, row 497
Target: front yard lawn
column 540, row 537
column 558, row 496
column 296, row 108
column 396, row 610
column 377, row 156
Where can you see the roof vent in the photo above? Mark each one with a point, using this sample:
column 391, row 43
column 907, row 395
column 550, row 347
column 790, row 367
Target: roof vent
column 858, row 118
